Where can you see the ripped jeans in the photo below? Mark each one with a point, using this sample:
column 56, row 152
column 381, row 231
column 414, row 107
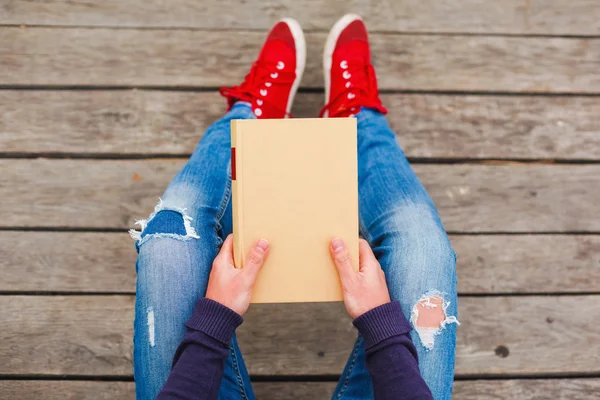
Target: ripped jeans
column 178, row 242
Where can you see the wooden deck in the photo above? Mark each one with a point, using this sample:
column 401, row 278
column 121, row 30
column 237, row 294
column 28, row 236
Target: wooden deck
column 497, row 103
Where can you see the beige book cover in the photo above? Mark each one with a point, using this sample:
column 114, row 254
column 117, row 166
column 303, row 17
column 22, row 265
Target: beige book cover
column 295, row 183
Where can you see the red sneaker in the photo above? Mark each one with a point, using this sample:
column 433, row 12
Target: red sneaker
column 271, row 84
column 350, row 81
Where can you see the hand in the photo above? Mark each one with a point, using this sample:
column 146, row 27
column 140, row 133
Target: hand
column 230, row 286
column 365, row 289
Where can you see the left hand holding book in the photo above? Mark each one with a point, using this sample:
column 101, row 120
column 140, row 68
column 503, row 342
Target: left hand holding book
column 230, row 286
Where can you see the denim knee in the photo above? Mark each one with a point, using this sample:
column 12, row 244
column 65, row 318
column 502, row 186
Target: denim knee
column 419, row 264
column 171, row 222
column 166, row 221
column 413, row 237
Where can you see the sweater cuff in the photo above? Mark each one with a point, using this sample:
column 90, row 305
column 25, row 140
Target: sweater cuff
column 382, row 323
column 214, row 319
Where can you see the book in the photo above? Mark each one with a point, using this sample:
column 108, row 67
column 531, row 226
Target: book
column 295, row 184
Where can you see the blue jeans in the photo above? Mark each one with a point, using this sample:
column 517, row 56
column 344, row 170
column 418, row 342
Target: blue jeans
column 179, row 241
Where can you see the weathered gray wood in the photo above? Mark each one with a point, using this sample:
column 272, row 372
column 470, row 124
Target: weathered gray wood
column 496, row 126
column 163, row 122
column 104, row 262
column 91, row 335
column 82, row 335
column 529, row 328
column 106, row 193
column 67, row 261
column 529, row 389
column 572, row 389
column 578, row 17
column 471, row 198
column 575, row 389
column 67, row 390
column 514, row 198
column 134, row 57
column 542, row 389
column 527, row 263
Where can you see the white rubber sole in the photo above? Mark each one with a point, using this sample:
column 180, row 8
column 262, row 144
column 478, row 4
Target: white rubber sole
column 300, row 44
column 332, row 38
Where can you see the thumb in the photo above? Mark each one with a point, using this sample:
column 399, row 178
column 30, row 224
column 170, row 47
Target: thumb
column 365, row 255
column 341, row 258
column 256, row 258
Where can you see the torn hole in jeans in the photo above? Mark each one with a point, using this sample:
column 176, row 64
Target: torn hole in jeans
column 429, row 317
column 177, row 226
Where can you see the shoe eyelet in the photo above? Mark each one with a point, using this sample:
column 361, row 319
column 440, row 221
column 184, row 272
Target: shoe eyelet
column 259, row 102
column 348, row 84
column 351, row 95
column 280, row 65
column 263, row 92
column 274, row 75
column 346, row 75
column 351, row 115
column 268, row 84
column 344, row 64
column 257, row 112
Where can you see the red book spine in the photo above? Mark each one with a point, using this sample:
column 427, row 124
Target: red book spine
column 233, row 163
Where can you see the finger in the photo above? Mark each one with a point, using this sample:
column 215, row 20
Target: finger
column 341, row 258
column 226, row 253
column 366, row 258
column 256, row 258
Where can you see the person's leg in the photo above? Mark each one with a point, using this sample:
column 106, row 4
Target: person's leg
column 178, row 242
column 397, row 218
column 177, row 245
column 402, row 225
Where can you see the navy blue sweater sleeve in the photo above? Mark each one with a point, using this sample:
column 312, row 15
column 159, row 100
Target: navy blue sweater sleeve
column 391, row 355
column 199, row 361
column 200, row 358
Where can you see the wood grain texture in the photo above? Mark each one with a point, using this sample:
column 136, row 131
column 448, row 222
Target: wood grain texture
column 538, row 389
column 572, row 389
column 470, row 198
column 67, row 261
column 140, row 57
column 542, row 389
column 527, row 263
column 528, row 327
column 67, row 390
column 165, row 122
column 93, row 262
column 578, row 17
column 91, row 335
column 514, row 198
column 83, row 335
column 530, row 389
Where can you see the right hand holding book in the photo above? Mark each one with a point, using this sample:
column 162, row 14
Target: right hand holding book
column 362, row 290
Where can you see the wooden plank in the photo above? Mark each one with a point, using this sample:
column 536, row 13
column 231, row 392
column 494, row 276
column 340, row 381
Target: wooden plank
column 572, row 389
column 526, row 328
column 99, row 194
column 527, row 263
column 91, row 335
column 471, row 198
column 514, row 198
column 527, row 389
column 164, row 122
column 67, row 262
column 74, row 335
column 67, row 390
column 139, row 57
column 522, row 389
column 59, row 262
column 578, row 17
